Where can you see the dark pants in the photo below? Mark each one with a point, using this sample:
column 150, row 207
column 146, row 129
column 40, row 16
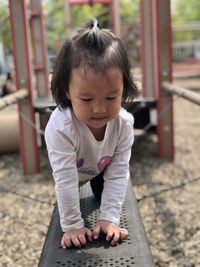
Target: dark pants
column 97, row 185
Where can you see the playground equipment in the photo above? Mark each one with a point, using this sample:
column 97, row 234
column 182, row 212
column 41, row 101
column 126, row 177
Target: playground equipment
column 133, row 252
column 184, row 93
column 23, row 67
column 156, row 65
column 9, row 134
column 9, row 121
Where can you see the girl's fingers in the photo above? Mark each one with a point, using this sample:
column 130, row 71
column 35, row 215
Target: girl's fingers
column 89, row 234
column 110, row 235
column 78, row 239
column 82, row 239
column 116, row 235
column 123, row 234
column 63, row 244
column 75, row 241
column 115, row 239
column 96, row 231
column 66, row 242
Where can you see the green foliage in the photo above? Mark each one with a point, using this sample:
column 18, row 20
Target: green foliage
column 54, row 21
column 80, row 14
column 5, row 25
column 186, row 12
column 129, row 10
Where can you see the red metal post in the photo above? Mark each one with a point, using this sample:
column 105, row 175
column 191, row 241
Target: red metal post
column 68, row 22
column 39, row 48
column 39, row 55
column 22, row 60
column 162, row 53
column 147, row 59
column 115, row 17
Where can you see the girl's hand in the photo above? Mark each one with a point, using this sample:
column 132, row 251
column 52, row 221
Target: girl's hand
column 76, row 237
column 112, row 231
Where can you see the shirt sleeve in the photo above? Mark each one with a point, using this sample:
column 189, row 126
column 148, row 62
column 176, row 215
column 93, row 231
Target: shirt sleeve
column 116, row 177
column 62, row 156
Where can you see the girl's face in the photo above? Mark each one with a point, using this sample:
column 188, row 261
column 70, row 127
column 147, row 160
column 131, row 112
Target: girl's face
column 96, row 97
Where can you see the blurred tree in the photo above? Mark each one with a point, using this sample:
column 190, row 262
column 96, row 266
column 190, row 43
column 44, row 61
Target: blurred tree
column 54, row 21
column 185, row 12
column 5, row 26
column 80, row 14
column 129, row 11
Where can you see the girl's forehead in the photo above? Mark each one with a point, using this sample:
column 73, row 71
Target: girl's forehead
column 89, row 80
column 86, row 72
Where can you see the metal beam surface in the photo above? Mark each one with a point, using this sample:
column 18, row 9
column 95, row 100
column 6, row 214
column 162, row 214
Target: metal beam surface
column 132, row 252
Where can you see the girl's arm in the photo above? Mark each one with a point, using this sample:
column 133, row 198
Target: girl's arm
column 116, row 178
column 115, row 185
column 62, row 158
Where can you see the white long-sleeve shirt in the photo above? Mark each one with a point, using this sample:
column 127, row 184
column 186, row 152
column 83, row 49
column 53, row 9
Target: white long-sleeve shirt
column 75, row 155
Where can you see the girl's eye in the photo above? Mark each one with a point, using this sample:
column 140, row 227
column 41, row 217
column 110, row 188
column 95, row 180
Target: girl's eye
column 110, row 98
column 86, row 99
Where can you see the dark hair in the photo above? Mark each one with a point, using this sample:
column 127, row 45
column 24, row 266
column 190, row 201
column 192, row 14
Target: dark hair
column 91, row 47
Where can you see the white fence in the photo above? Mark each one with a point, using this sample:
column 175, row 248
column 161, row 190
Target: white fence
column 187, row 48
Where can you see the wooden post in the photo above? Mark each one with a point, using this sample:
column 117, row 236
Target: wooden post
column 162, row 57
column 22, row 60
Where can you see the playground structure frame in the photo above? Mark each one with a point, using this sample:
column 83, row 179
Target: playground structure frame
column 156, row 54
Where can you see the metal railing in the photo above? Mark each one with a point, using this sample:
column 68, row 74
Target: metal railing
column 13, row 98
column 182, row 92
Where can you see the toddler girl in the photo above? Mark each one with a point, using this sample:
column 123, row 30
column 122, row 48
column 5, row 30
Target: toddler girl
column 89, row 135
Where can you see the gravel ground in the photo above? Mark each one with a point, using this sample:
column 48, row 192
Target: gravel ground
column 169, row 194
column 170, row 191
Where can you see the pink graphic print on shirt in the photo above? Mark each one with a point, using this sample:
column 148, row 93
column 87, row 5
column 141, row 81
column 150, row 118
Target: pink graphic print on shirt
column 104, row 162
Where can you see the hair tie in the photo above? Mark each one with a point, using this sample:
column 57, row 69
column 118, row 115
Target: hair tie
column 94, row 24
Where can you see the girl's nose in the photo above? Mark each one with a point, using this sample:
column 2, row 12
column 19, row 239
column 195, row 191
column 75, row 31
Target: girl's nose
column 99, row 107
